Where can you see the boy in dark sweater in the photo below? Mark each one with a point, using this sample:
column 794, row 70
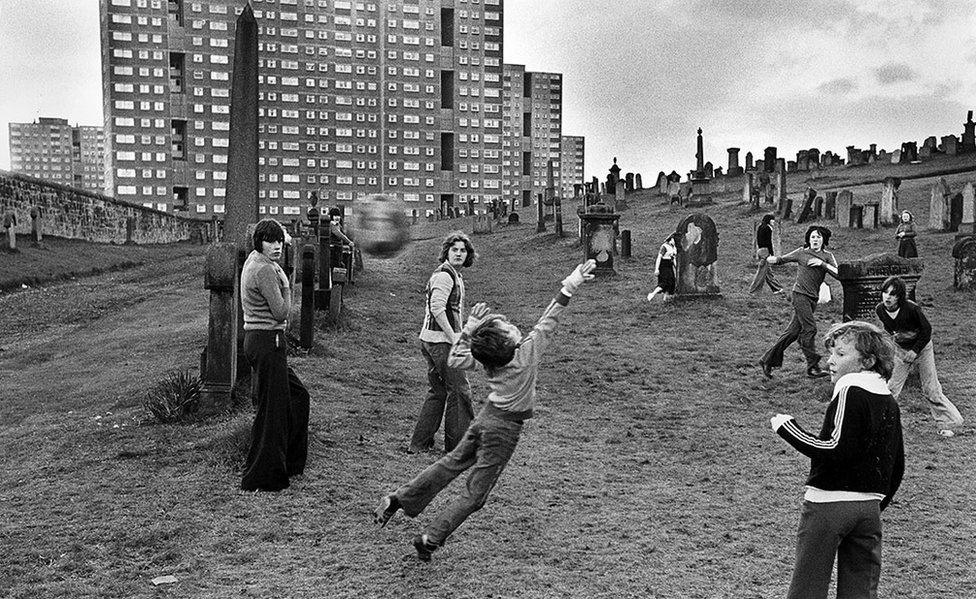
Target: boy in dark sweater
column 512, row 364
column 856, row 465
column 905, row 321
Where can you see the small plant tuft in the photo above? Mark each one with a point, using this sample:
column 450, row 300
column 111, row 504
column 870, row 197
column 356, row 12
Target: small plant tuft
column 175, row 398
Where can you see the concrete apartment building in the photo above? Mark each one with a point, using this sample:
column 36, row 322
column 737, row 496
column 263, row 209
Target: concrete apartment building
column 533, row 131
column 402, row 97
column 52, row 150
column 571, row 160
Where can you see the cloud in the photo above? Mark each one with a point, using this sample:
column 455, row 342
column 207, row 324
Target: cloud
column 893, row 72
column 837, row 87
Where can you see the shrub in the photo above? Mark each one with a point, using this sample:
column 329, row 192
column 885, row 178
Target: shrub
column 175, row 398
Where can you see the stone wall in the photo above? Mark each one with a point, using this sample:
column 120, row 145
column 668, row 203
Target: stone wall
column 77, row 214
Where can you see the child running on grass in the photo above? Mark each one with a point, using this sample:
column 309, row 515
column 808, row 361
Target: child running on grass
column 512, row 364
column 856, row 464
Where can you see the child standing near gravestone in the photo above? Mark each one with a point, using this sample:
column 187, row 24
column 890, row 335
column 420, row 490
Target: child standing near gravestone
column 856, row 465
column 512, row 364
column 814, row 262
column 664, row 269
column 912, row 333
column 279, row 436
column 905, row 234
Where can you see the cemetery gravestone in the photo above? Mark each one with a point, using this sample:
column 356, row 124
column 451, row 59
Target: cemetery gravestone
column 36, row 235
column 638, row 184
column 599, row 227
column 955, row 212
column 697, row 244
column 967, row 226
column 888, row 208
column 830, row 206
column 939, row 206
column 9, row 222
column 845, row 199
column 964, row 275
column 861, row 281
column 869, row 216
column 807, row 209
column 481, row 224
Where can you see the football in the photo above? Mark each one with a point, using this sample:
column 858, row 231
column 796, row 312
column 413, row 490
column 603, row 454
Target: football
column 380, row 225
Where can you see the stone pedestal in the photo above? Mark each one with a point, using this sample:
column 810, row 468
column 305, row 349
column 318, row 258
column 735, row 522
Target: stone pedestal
column 220, row 372
column 599, row 226
column 861, row 281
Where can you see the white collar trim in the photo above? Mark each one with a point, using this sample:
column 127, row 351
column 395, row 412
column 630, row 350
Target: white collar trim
column 870, row 381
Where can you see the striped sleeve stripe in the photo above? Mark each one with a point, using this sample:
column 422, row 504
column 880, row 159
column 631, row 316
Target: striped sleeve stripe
column 834, row 440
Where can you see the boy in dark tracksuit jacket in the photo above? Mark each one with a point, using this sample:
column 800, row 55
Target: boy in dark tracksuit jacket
column 856, row 465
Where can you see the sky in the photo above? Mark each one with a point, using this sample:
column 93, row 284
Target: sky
column 639, row 76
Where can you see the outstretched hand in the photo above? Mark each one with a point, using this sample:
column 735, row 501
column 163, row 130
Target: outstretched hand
column 582, row 273
column 477, row 315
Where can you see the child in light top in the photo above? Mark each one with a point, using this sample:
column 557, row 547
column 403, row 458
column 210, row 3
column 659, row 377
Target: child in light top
column 511, row 362
column 856, row 465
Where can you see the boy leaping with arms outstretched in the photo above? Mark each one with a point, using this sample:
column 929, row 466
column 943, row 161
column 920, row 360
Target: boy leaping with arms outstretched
column 511, row 363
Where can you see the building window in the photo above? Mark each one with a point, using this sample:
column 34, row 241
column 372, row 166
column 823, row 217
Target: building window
column 177, row 69
column 178, row 131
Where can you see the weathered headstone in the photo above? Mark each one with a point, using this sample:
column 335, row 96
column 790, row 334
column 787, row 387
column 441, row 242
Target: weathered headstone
column 869, row 216
column 36, row 235
column 769, row 159
column 888, row 208
column 625, row 243
column 857, row 216
column 830, row 206
column 619, row 199
column 629, row 182
column 806, row 211
column 662, row 184
column 955, row 211
column 939, row 206
column 9, row 222
column 749, row 165
column 307, row 325
column 964, row 275
column 481, row 224
column 220, row 369
column 748, row 195
column 697, row 244
column 786, row 208
column 845, row 199
column 967, row 226
column 598, row 225
column 709, row 171
column 950, row 145
column 513, row 218
column 861, row 281
column 638, row 183
column 780, row 181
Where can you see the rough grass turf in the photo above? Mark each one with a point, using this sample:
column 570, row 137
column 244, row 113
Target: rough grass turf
column 648, row 471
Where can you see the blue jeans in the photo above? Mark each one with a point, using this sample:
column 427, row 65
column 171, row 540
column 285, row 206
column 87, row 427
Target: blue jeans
column 449, row 397
column 943, row 411
column 849, row 530
column 486, row 447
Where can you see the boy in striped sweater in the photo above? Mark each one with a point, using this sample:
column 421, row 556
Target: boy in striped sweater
column 856, row 465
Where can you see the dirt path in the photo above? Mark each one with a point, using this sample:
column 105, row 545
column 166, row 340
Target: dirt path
column 107, row 319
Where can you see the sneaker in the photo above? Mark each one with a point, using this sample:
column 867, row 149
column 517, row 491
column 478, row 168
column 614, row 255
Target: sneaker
column 947, row 433
column 815, row 372
column 388, row 506
column 424, row 547
column 767, row 370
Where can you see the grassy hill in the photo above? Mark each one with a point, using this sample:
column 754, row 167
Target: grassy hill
column 649, row 470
